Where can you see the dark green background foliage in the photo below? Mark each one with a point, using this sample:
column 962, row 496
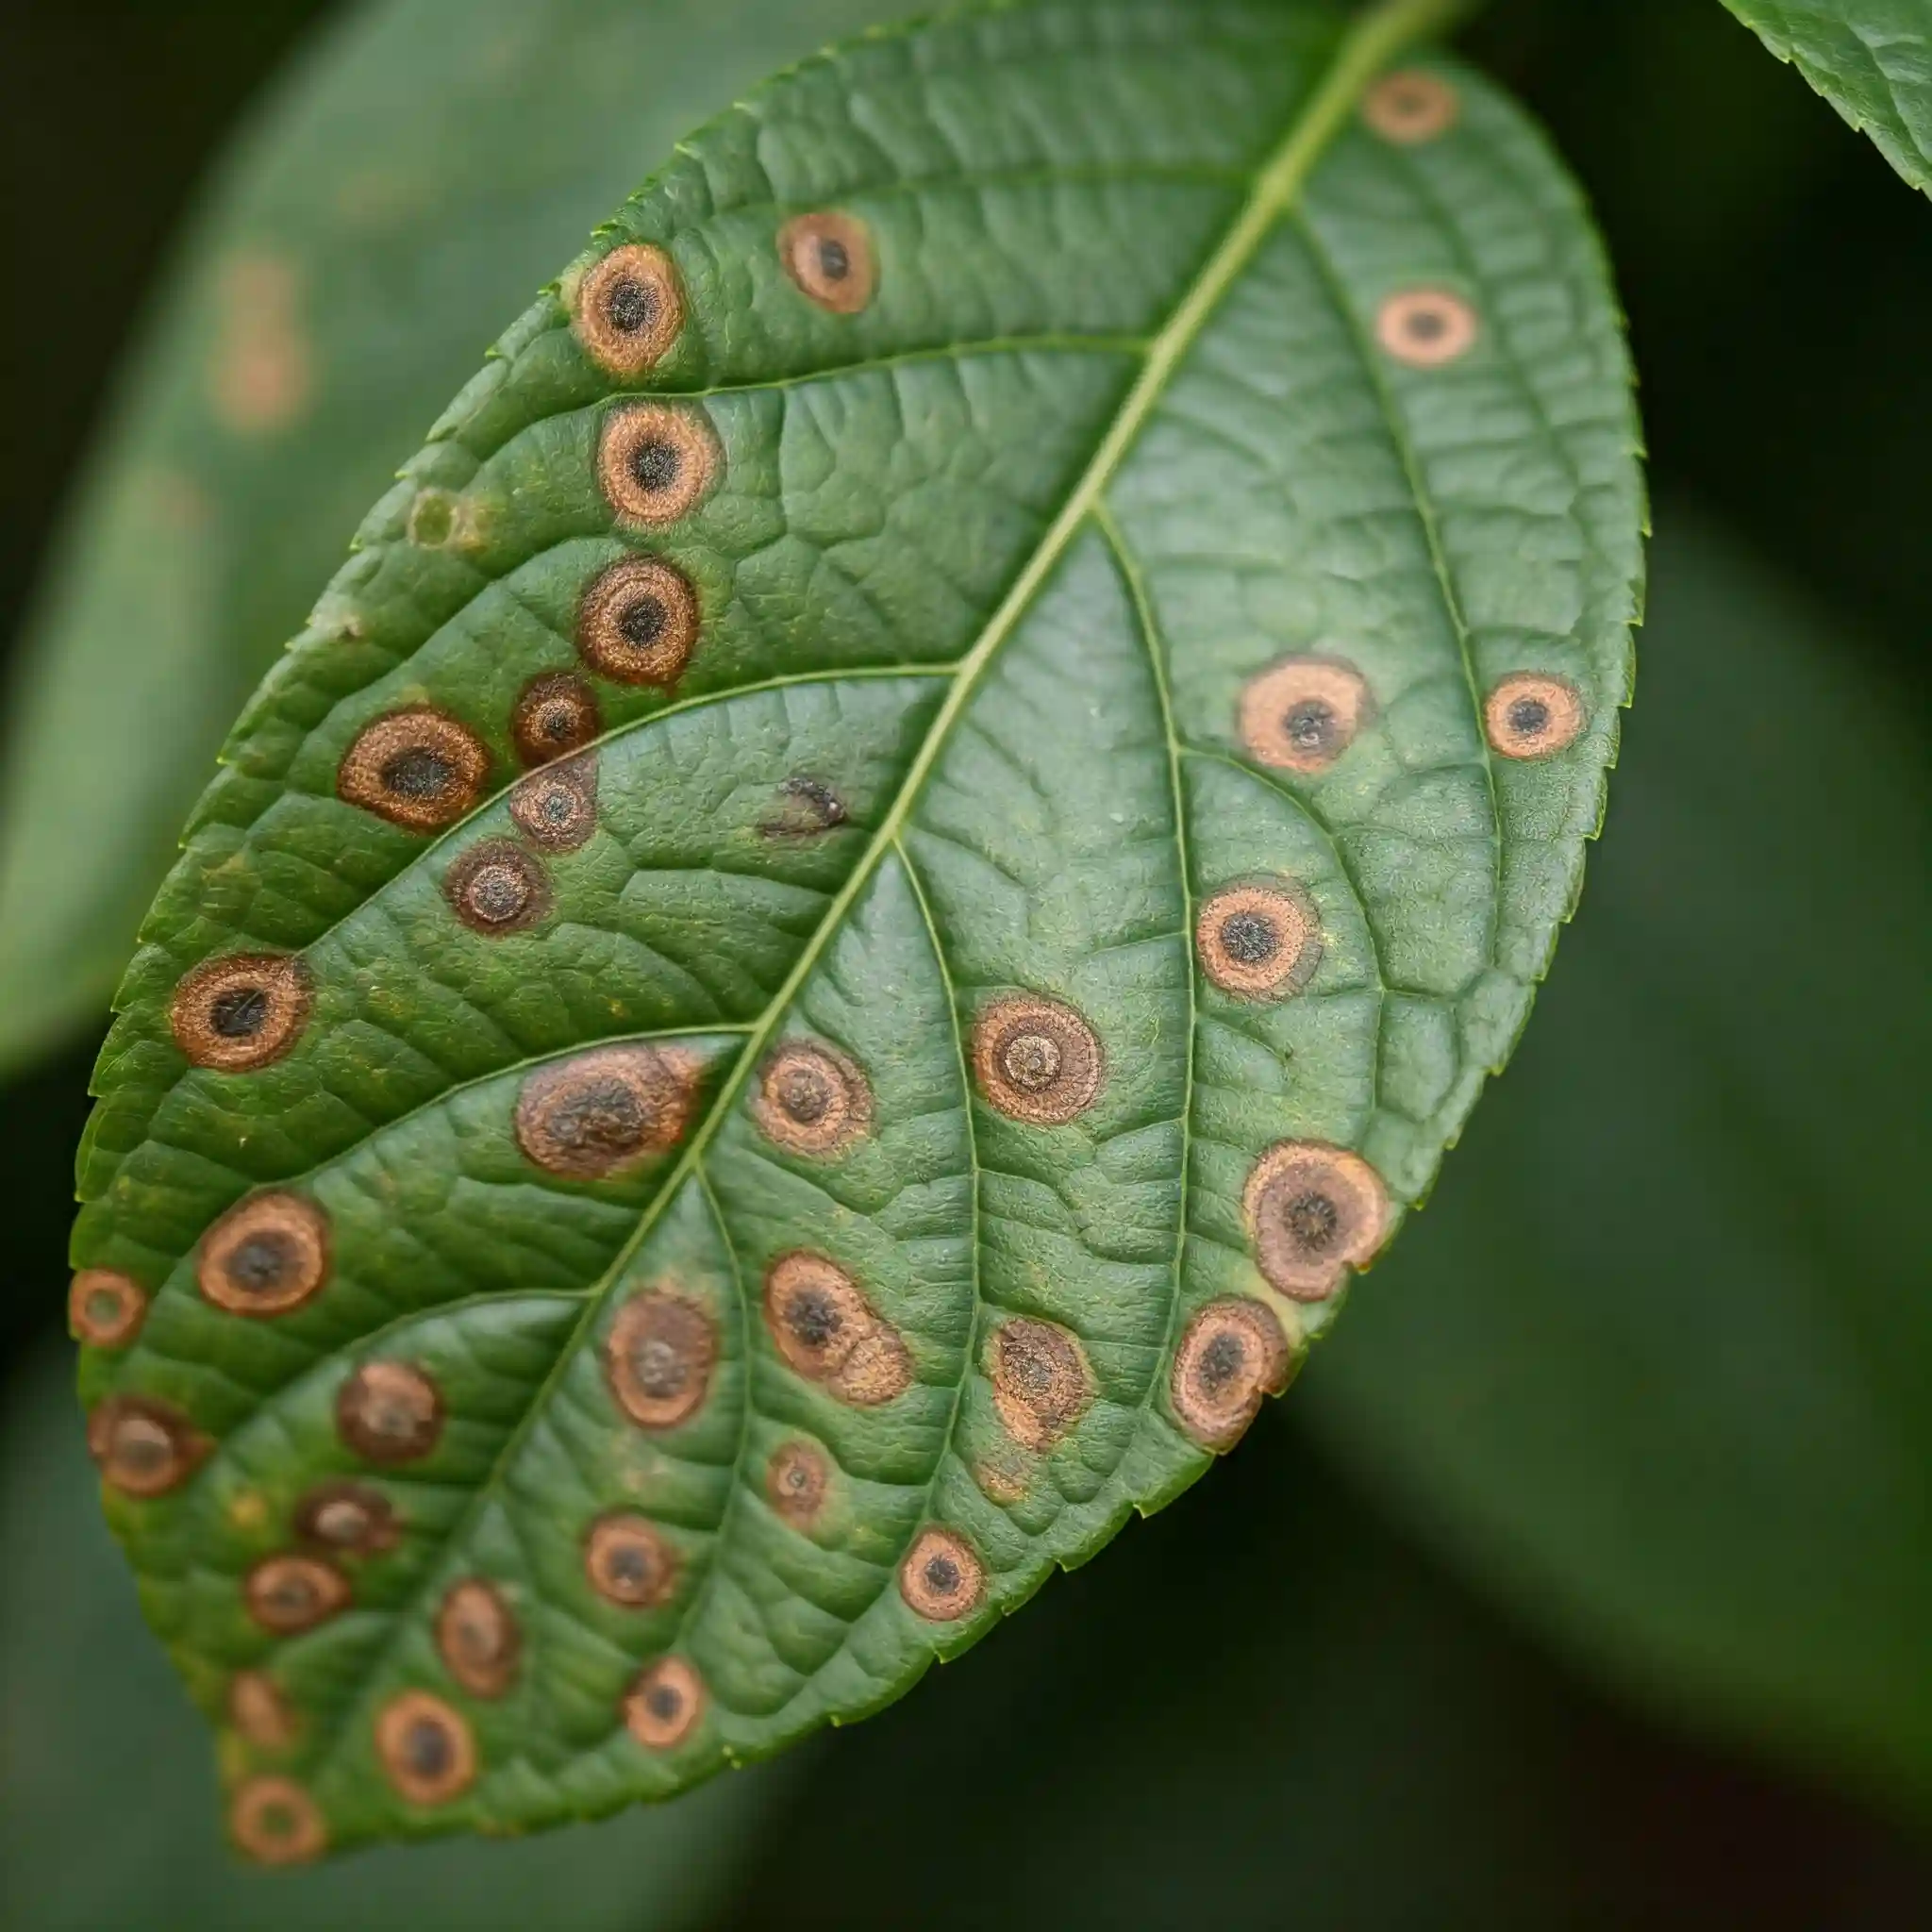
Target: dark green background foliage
column 1624, row 1446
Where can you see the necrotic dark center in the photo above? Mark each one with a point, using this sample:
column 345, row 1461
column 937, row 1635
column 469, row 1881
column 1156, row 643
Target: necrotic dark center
column 941, row 1575
column 1250, row 939
column 655, row 465
column 835, row 261
column 633, row 307
column 1221, row 1361
column 644, row 617
column 1527, row 716
column 418, row 772
column 240, row 1012
column 603, row 1116
column 262, row 1263
column 813, row 1318
column 428, row 1748
column 1310, row 725
column 1314, row 1220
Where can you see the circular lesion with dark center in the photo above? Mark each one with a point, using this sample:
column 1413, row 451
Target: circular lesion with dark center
column 390, row 1412
column 1259, row 941
column 417, row 768
column 265, row 1256
column 829, row 1332
column 630, row 1561
column 1037, row 1060
column 941, row 1577
column 557, row 807
column 105, row 1307
column 143, row 1447
column 497, row 889
column 665, row 1703
column 1410, row 107
column 1426, row 328
column 798, row 1480
column 813, row 1099
column 604, row 1112
column 639, row 623
column 1300, row 714
column 1042, row 1383
column 831, row 258
column 1534, row 715
column 658, row 1357
column 348, row 1519
column 477, row 1637
column 425, row 1748
column 273, row 1820
column 629, row 310
column 287, row 1594
column 238, row 1013
column 1314, row 1212
column 557, row 714
column 1232, row 1353
column 657, row 462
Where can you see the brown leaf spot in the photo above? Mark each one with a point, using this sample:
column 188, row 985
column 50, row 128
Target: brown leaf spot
column 477, row 1638
column 639, row 623
column 1259, row 941
column 263, row 370
column 629, row 310
column 629, row 1562
column 1315, row 1211
column 556, row 715
column 1300, row 715
column 390, row 1412
column 796, row 1480
column 497, row 889
column 265, row 1256
column 143, row 1448
column 828, row 1331
column 809, row 807
column 287, row 1594
column 241, row 1012
column 941, row 1578
column 1410, row 107
column 275, row 1822
column 1037, row 1061
column 557, row 807
column 656, row 461
column 1534, row 716
column 1232, row 1353
column 1426, row 327
column 425, row 1748
column 811, row 1099
column 604, row 1112
column 348, row 1518
column 105, row 1309
column 831, row 258
column 658, row 1357
column 418, row 768
column 259, row 1712
column 663, row 1706
column 1040, row 1384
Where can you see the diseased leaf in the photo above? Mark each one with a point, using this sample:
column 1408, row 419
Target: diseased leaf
column 1076, row 563
column 1872, row 59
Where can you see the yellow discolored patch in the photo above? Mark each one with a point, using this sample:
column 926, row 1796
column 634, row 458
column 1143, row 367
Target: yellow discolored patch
column 143, row 1448
column 389, row 1412
column 348, row 1518
column 1300, row 715
column 831, row 258
column 1042, row 1384
column 497, row 889
column 1037, row 1061
column 796, row 1481
column 263, row 375
column 259, row 1712
column 656, row 462
column 416, row 768
column 105, row 1309
column 831, row 1334
column 813, row 1099
column 1532, row 715
column 941, row 1578
column 639, row 623
column 1411, row 106
column 477, row 1638
column 1314, row 1212
column 265, row 1256
column 425, row 1748
column 629, row 310
column 557, row 714
column 275, row 1822
column 287, row 1594
column 557, row 807
column 1232, row 1353
column 1258, row 943
column 1426, row 327
column 658, row 1357
column 603, row 1112
column 663, row 1706
column 241, row 1012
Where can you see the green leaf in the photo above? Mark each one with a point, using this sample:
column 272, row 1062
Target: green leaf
column 636, row 1262
column 1872, row 59
column 404, row 190
column 1662, row 1370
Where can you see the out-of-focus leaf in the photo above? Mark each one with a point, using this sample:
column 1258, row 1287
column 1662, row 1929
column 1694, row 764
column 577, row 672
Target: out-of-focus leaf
column 107, row 1799
column 1872, row 59
column 407, row 188
column 1660, row 1363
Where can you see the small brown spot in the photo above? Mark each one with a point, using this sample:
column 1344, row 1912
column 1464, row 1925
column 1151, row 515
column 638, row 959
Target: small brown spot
column 263, row 369
column 639, row 623
column 477, row 1638
column 941, row 1578
column 604, row 1112
column 1002, row 1478
column 349, row 1518
column 497, row 889
column 1302, row 714
column 1232, row 1355
column 629, row 1562
column 105, row 1309
column 831, row 257
column 1037, row 1061
column 658, row 1357
column 418, row 768
column 811, row 1099
column 259, row 1712
column 425, row 1748
column 143, row 1448
column 557, row 807
column 827, row 1331
column 265, row 1256
column 1040, row 1384
column 1534, row 716
column 390, row 1412
column 656, row 462
column 1410, row 107
column 556, row 715
column 810, row 808
column 629, row 310
column 1426, row 327
column 665, row 1703
column 241, row 1012
column 277, row 1822
column 1259, row 941
column 287, row 1594
column 1315, row 1211
column 797, row 1479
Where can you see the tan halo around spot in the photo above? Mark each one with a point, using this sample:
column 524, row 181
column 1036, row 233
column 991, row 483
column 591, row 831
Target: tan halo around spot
column 1232, row 1353
column 238, row 1013
column 1314, row 1212
column 497, row 889
column 831, row 258
column 604, row 1112
column 629, row 1561
column 1037, row 1061
column 1300, row 715
column 418, row 768
column 143, row 1448
column 1426, row 328
column 658, row 1357
column 1042, row 1384
column 630, row 309
column 347, row 1518
column 105, row 1307
column 477, row 1638
column 656, row 462
column 663, row 1706
column 287, row 1594
column 390, row 1412
column 941, row 1578
column 557, row 807
column 1411, row 106
column 265, row 1256
column 829, row 1331
column 639, row 623
column 277, row 1822
column 557, row 714
column 1259, row 941
column 1532, row 715
column 426, row 1747
column 813, row 1099
column 796, row 1481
